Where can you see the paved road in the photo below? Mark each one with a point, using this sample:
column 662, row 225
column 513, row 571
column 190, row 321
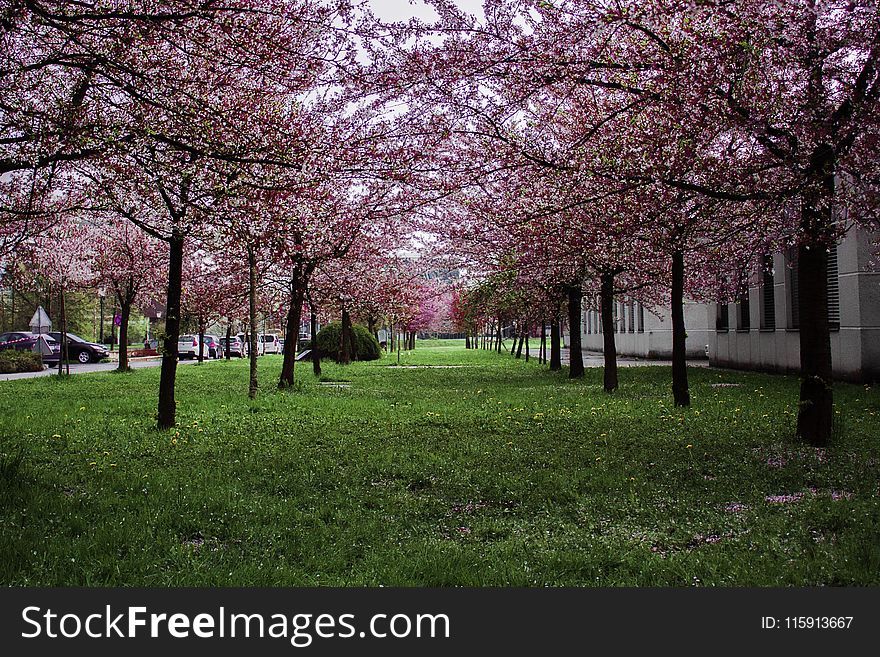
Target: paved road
column 77, row 368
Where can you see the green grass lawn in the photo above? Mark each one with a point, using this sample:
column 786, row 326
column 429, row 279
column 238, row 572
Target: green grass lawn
column 495, row 472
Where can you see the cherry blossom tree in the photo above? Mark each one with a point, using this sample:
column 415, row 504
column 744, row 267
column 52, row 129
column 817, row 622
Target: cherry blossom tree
column 62, row 257
column 788, row 91
column 205, row 294
column 131, row 264
column 222, row 105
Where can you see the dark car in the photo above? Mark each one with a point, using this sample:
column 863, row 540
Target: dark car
column 27, row 341
column 81, row 350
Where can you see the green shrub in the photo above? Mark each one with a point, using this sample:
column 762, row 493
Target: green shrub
column 366, row 345
column 12, row 361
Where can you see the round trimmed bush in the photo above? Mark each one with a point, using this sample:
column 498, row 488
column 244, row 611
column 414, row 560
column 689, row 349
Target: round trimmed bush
column 366, row 345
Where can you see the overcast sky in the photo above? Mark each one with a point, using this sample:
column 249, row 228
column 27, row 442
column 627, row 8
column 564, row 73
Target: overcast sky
column 402, row 10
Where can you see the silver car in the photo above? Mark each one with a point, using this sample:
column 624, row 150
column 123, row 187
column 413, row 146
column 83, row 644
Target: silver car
column 236, row 346
column 188, row 347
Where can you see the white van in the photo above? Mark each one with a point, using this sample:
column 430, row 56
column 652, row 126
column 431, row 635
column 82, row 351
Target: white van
column 270, row 343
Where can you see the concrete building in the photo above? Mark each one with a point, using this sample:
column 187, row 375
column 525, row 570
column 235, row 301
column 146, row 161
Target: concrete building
column 760, row 330
column 642, row 333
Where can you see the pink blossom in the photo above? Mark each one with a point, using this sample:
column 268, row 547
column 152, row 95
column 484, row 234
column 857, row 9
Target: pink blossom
column 785, row 499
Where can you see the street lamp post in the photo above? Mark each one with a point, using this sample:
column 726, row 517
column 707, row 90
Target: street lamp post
column 113, row 327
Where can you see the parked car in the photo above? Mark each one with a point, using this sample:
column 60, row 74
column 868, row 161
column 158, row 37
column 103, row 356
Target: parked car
column 246, row 339
column 304, row 341
column 80, row 349
column 270, row 342
column 27, row 341
column 214, row 346
column 236, row 346
column 188, row 347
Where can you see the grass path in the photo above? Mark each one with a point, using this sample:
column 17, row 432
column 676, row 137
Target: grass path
column 493, row 472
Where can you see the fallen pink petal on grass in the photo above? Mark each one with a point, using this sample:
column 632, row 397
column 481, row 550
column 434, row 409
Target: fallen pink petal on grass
column 785, row 499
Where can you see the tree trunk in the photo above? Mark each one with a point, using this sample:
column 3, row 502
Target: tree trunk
column 316, row 353
column 202, row 328
column 575, row 353
column 498, row 337
column 345, row 339
column 291, row 330
column 65, row 350
column 125, row 305
column 816, row 410
column 100, row 331
column 555, row 348
column 527, row 346
column 252, row 320
column 609, row 347
column 467, row 340
column 167, row 406
column 680, row 393
column 542, row 345
column 228, row 340
column 815, row 413
column 519, row 347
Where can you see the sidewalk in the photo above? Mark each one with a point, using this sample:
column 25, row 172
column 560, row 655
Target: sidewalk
column 597, row 359
column 77, row 368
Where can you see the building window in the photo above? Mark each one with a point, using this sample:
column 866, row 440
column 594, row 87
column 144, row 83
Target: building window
column 794, row 311
column 743, row 321
column 622, row 317
column 641, row 318
column 722, row 318
column 768, row 295
column 632, row 316
column 833, row 289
